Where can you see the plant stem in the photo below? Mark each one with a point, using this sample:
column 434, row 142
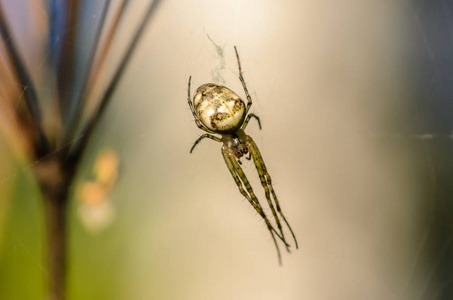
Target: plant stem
column 56, row 244
column 54, row 182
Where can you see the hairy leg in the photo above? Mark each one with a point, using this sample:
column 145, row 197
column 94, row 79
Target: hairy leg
column 232, row 165
column 248, row 119
column 195, row 116
column 206, row 135
column 267, row 182
column 241, row 78
column 259, row 164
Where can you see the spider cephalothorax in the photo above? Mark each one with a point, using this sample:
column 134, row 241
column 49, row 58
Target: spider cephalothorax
column 218, row 110
column 239, row 145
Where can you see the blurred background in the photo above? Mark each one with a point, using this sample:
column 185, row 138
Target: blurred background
column 355, row 102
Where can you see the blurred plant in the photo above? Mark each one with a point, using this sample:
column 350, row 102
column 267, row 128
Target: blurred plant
column 95, row 210
column 50, row 121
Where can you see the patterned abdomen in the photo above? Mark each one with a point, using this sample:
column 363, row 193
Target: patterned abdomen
column 219, row 108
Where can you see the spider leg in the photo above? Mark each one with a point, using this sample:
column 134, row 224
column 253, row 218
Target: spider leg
column 232, row 165
column 233, row 168
column 264, row 183
column 192, row 109
column 267, row 183
column 244, row 179
column 248, row 119
column 206, row 135
column 241, row 78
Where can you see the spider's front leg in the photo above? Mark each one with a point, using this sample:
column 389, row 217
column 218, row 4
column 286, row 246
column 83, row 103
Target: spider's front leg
column 195, row 116
column 266, row 182
column 241, row 78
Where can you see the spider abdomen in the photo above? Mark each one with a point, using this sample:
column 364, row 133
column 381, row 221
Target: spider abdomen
column 219, row 108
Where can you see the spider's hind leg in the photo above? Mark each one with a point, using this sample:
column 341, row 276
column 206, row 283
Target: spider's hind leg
column 236, row 171
column 266, row 182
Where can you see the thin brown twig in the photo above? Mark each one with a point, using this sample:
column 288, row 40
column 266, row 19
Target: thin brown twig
column 40, row 142
column 90, row 125
column 66, row 66
column 97, row 60
column 75, row 114
column 104, row 52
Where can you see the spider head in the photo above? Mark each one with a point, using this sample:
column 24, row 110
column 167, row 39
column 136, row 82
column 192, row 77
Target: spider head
column 236, row 143
column 219, row 108
column 239, row 146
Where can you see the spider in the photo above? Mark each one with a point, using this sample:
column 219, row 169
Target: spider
column 218, row 110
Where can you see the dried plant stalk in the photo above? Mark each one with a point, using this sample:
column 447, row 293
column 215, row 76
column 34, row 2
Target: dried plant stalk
column 58, row 160
column 54, row 182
